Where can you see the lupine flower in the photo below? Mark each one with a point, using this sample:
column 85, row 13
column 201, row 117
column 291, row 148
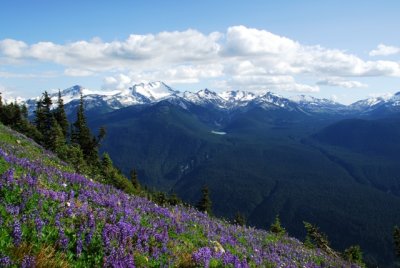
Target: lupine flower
column 17, row 232
column 125, row 224
column 62, row 240
column 5, row 261
column 39, row 225
column 28, row 262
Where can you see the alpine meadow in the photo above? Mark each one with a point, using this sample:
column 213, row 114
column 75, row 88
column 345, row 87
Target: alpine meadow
column 199, row 134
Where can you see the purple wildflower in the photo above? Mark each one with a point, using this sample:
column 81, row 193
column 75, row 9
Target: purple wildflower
column 5, row 261
column 17, row 232
column 28, row 262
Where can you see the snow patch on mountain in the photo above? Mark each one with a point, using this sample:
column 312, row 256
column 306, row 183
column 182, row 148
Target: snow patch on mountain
column 154, row 90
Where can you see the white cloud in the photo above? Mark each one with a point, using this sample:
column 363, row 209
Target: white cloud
column 242, row 56
column 243, row 41
column 280, row 55
column 384, row 50
column 340, row 82
column 263, row 83
column 47, row 74
column 120, row 81
column 77, row 72
column 182, row 74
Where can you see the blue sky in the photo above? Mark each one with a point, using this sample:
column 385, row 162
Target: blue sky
column 344, row 50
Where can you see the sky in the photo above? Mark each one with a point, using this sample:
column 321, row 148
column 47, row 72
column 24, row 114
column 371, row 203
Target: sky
column 341, row 50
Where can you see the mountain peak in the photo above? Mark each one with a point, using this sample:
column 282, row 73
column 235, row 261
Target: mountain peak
column 74, row 90
column 154, row 90
column 237, row 95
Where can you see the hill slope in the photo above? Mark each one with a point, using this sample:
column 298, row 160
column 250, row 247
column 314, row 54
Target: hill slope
column 53, row 217
column 263, row 162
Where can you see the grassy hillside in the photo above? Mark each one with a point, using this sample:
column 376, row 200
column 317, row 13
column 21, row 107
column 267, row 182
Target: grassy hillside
column 53, row 217
column 266, row 164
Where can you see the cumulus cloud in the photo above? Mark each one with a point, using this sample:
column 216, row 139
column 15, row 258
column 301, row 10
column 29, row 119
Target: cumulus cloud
column 263, row 83
column 340, row 82
column 384, row 50
column 162, row 48
column 77, row 72
column 241, row 56
column 182, row 74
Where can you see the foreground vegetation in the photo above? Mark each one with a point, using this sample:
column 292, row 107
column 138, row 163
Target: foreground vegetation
column 54, row 217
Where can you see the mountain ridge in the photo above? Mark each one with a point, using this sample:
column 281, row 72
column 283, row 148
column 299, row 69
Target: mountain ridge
column 154, row 92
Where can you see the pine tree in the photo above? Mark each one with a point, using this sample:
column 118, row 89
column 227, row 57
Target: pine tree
column 82, row 136
column 39, row 116
column 60, row 115
column 174, row 200
column 353, row 254
column 276, row 227
column 396, row 238
column 24, row 111
column 319, row 239
column 205, row 203
column 134, row 179
column 239, row 219
column 107, row 169
column 56, row 137
column 44, row 118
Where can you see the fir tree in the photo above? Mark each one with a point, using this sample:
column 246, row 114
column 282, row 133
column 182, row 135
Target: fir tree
column 39, row 116
column 107, row 167
column 319, row 239
column 134, row 179
column 24, row 112
column 61, row 116
column 56, row 137
column 276, row 227
column 174, row 200
column 82, row 136
column 353, row 254
column 205, row 204
column 396, row 238
column 44, row 118
column 239, row 219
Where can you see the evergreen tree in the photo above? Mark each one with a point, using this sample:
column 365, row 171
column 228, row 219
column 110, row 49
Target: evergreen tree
column 39, row 116
column 205, row 204
column 239, row 219
column 44, row 118
column 353, row 254
column 396, row 238
column 319, row 239
column 174, row 200
column 24, row 112
column 134, row 179
column 107, row 169
column 61, row 116
column 82, row 136
column 276, row 227
column 56, row 137
column 160, row 198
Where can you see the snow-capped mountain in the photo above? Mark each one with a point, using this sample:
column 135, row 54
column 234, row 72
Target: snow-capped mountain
column 271, row 100
column 205, row 97
column 154, row 92
column 383, row 104
column 316, row 105
column 237, row 98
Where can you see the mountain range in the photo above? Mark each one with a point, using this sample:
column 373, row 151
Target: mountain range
column 154, row 92
column 304, row 158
